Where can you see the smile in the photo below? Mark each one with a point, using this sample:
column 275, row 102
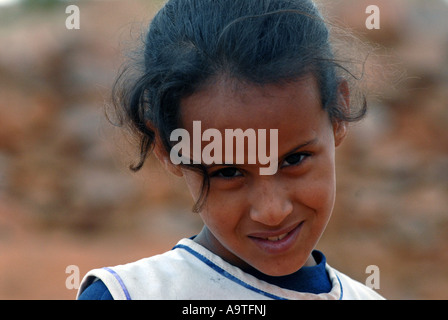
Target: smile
column 280, row 237
column 276, row 242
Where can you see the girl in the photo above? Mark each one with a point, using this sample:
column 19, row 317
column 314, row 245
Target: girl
column 248, row 65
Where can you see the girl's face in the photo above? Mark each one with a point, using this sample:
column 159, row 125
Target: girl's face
column 268, row 222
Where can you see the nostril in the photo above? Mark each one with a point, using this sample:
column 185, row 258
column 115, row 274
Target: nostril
column 271, row 213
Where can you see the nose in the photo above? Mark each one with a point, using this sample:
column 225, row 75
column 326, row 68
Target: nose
column 270, row 203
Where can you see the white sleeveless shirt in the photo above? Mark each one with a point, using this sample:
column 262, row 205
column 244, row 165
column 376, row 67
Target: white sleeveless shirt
column 191, row 272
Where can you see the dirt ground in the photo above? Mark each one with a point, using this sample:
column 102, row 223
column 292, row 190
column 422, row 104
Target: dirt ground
column 68, row 199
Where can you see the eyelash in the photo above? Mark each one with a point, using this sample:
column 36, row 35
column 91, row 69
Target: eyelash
column 218, row 173
column 302, row 155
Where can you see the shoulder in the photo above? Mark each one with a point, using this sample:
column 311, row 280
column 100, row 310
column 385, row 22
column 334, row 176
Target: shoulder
column 354, row 290
column 175, row 274
column 122, row 280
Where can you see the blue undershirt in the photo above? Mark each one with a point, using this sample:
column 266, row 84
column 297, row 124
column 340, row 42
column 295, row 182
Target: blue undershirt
column 308, row 279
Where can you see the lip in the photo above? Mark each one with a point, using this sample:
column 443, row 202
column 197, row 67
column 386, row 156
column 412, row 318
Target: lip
column 279, row 246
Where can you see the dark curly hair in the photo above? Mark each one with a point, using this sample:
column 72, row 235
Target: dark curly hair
column 190, row 42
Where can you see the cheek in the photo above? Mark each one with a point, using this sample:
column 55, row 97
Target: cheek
column 323, row 200
column 194, row 183
column 318, row 189
column 222, row 211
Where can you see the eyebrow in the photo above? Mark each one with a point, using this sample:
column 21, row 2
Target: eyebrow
column 297, row 148
column 292, row 151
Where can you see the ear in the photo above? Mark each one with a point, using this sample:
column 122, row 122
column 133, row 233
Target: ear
column 164, row 158
column 340, row 126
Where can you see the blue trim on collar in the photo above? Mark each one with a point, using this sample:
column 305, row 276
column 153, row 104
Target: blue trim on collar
column 340, row 285
column 308, row 279
column 225, row 273
column 120, row 281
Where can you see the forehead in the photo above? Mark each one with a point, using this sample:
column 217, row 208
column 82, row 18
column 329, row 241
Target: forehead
column 293, row 107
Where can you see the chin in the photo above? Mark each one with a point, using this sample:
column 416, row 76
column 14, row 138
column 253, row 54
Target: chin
column 278, row 271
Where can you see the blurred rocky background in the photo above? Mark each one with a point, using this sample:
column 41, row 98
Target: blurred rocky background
column 68, row 198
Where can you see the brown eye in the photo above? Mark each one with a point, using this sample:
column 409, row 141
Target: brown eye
column 294, row 159
column 227, row 173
